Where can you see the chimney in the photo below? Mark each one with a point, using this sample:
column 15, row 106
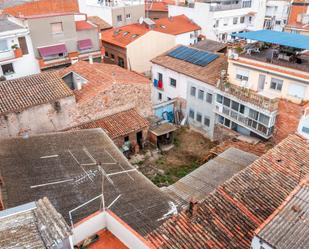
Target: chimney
column 90, row 59
column 78, row 84
column 193, row 207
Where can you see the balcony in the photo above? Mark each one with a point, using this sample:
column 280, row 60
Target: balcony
column 222, row 7
column 245, row 121
column 10, row 54
column 250, row 96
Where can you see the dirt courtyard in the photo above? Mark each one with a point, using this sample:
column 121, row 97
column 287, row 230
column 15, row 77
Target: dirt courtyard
column 165, row 168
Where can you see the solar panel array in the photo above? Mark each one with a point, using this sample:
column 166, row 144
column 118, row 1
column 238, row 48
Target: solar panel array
column 194, row 56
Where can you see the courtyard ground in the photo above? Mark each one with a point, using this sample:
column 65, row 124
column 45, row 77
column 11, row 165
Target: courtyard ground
column 165, row 168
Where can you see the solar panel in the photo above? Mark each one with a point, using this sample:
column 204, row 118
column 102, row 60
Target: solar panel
column 194, row 56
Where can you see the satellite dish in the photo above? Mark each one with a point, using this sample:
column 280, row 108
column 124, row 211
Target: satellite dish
column 141, row 20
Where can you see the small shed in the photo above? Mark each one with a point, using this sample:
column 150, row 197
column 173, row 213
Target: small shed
column 162, row 135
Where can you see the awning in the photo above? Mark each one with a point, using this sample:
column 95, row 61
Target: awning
column 52, row 50
column 276, row 37
column 84, row 44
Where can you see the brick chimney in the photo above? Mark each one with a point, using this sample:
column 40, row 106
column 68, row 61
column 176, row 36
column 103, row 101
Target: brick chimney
column 193, row 207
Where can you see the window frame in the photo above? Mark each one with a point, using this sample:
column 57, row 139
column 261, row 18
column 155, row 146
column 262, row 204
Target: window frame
column 191, row 111
column 57, row 32
column 209, row 96
column 191, row 92
column 10, row 72
column 174, row 81
column 119, row 19
column 277, row 82
column 200, row 94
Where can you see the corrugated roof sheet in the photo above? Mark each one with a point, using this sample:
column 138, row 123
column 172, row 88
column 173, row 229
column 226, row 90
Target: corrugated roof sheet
column 288, row 228
column 230, row 215
column 276, row 37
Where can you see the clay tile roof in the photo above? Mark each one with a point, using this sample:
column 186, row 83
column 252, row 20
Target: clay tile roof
column 100, row 76
column 84, row 25
column 43, row 8
column 160, row 6
column 176, row 25
column 208, row 74
column 229, row 216
column 124, row 35
column 99, row 22
column 287, row 227
column 22, row 93
column 119, row 124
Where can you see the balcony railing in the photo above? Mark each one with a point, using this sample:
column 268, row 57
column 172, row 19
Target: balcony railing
column 221, row 7
column 10, row 54
column 250, row 96
column 245, row 121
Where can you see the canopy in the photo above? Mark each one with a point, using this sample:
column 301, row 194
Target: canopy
column 276, row 37
column 84, row 44
column 52, row 50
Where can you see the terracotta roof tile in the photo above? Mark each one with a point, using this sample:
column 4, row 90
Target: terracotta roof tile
column 176, row 25
column 129, row 33
column 99, row 22
column 43, row 7
column 100, row 76
column 22, row 93
column 119, row 124
column 229, row 216
column 160, row 6
column 84, row 25
column 208, row 74
column 125, row 35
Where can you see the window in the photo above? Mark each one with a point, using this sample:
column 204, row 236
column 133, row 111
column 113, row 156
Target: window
column 201, row 94
column 297, row 90
column 172, row 82
column 23, row 45
column 225, row 21
column 216, row 25
column 119, row 18
column 199, row 117
column 128, row 16
column 112, row 57
column 126, row 138
column 242, row 109
column 193, row 91
column 7, row 69
column 106, row 54
column 250, row 19
column 235, row 20
column 242, row 75
column 160, row 77
column 242, row 19
column 3, row 45
column 221, row 119
column 206, row 121
column 253, row 114
column 235, row 106
column 209, row 98
column 264, row 119
column 219, row 98
column 159, row 96
column 56, row 27
column 120, row 62
column 246, row 4
column 191, row 114
column 226, row 102
column 278, row 22
column 276, row 84
column 227, row 122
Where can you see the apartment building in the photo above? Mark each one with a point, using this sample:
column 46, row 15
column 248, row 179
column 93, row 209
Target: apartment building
column 59, row 33
column 219, row 19
column 16, row 51
column 276, row 15
column 299, row 17
column 133, row 46
column 115, row 12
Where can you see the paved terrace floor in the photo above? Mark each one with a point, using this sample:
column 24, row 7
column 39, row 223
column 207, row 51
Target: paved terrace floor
column 208, row 177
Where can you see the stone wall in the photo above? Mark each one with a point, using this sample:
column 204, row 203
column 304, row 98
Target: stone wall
column 38, row 119
column 287, row 120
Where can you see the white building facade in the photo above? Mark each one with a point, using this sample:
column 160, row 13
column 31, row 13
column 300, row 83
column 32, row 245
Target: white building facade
column 115, row 12
column 219, row 20
column 276, row 15
column 16, row 51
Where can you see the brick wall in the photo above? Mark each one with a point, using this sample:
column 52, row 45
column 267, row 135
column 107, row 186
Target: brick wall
column 287, row 121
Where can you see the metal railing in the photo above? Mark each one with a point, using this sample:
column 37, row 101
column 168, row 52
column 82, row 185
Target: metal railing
column 250, row 96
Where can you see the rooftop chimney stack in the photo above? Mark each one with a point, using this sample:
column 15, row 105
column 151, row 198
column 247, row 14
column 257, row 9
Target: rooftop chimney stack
column 193, row 207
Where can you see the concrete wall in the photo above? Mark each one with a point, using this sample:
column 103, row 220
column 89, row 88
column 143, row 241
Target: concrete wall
column 168, row 91
column 135, row 12
column 144, row 49
column 201, row 106
column 92, row 34
column 68, row 36
column 117, row 52
column 38, row 119
column 288, row 80
column 188, row 38
column 157, row 14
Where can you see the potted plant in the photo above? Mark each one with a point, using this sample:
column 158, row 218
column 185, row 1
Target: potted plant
column 17, row 51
